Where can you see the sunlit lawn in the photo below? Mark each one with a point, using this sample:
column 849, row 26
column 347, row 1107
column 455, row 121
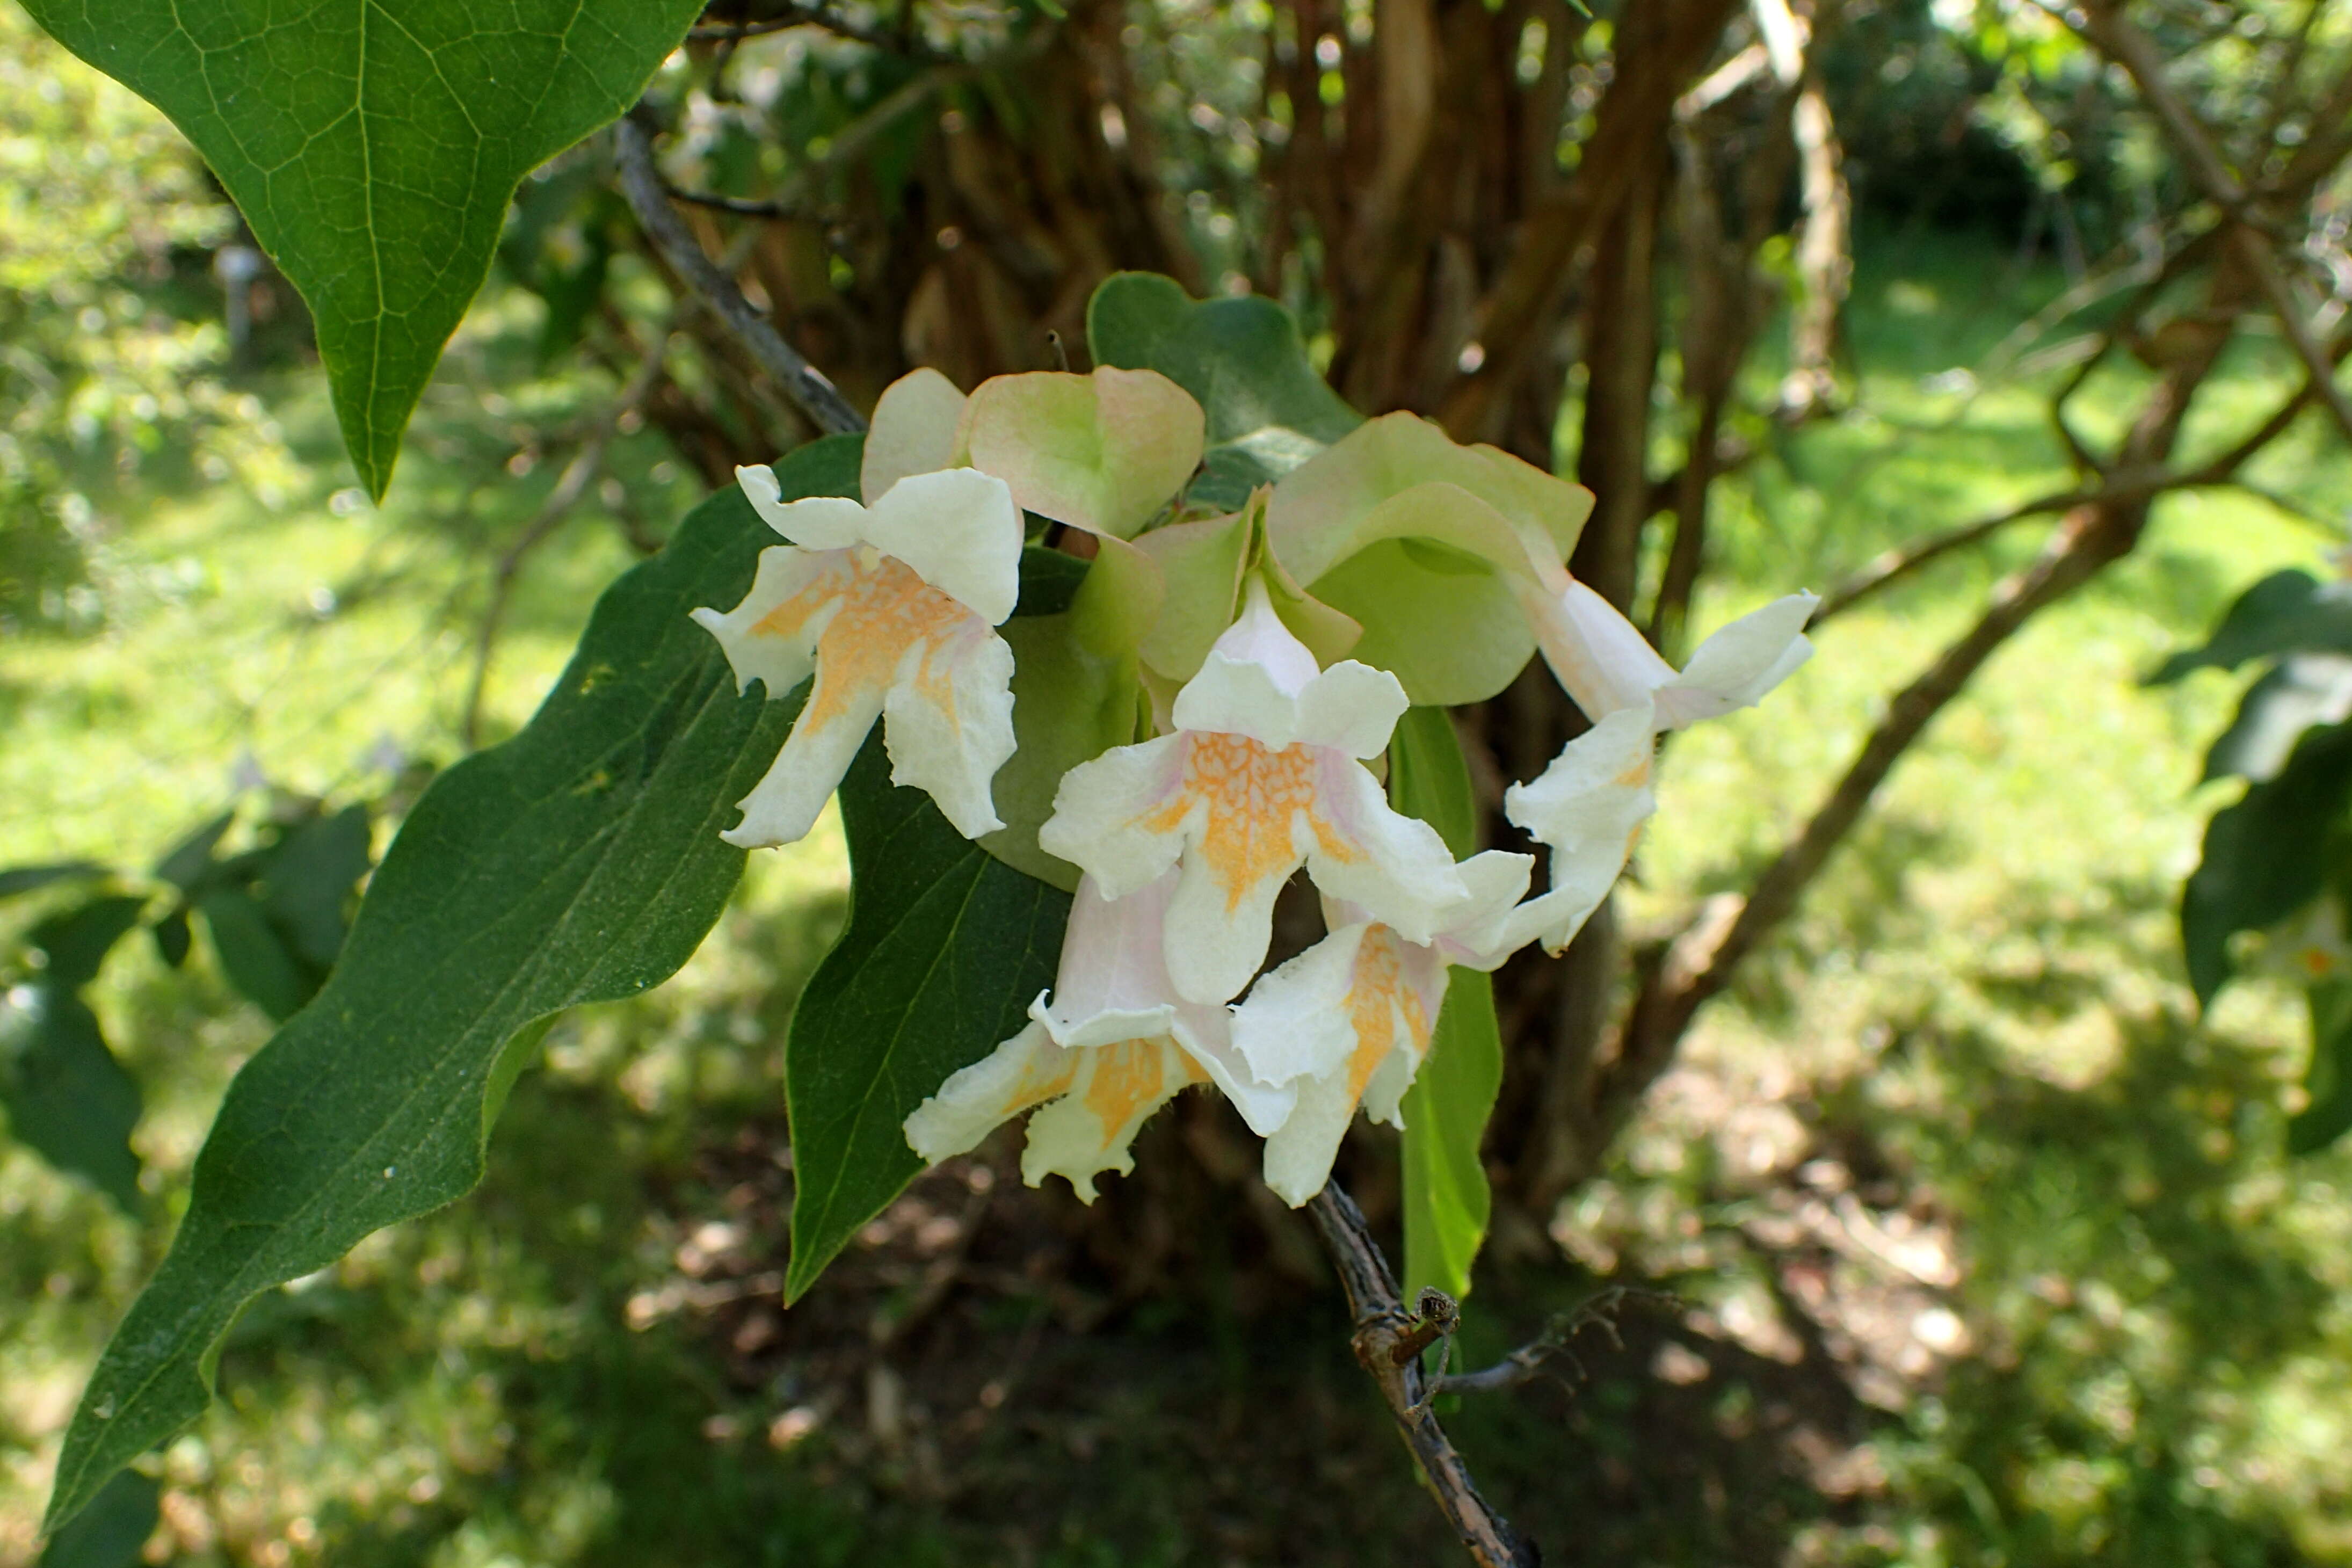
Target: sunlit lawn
column 2112, row 1331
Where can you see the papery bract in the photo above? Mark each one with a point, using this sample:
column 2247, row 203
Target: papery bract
column 1262, row 775
column 894, row 607
column 1104, row 452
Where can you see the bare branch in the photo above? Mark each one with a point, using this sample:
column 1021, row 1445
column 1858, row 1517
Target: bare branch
column 818, row 16
column 2108, row 27
column 810, row 391
column 1388, row 1341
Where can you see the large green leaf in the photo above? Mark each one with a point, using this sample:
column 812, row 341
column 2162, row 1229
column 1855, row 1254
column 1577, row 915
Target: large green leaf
column 945, row 948
column 1242, row 359
column 1446, row 1200
column 373, row 147
column 578, row 862
column 2265, row 856
column 65, row 1095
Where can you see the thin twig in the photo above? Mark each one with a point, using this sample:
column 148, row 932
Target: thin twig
column 2133, row 49
column 816, row 16
column 802, row 381
column 1387, row 1341
column 570, row 486
column 1529, row 1361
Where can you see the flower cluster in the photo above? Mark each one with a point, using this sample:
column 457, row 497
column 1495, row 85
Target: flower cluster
column 1273, row 651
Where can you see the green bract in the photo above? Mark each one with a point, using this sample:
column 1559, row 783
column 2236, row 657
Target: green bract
column 1429, row 545
column 1104, row 452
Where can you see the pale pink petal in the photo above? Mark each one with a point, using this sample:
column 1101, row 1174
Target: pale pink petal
column 1023, row 1072
column 1295, row 1023
column 947, row 720
column 833, row 724
column 1118, row 818
column 1589, row 807
column 1115, row 1089
column 1219, row 928
column 959, row 531
column 1206, row 1035
column 1351, row 708
column 814, row 523
column 1112, row 983
column 1365, row 851
column 1736, row 667
column 771, row 636
column 1600, row 658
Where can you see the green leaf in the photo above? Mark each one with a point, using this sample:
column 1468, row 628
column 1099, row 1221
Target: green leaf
column 253, row 955
column 372, row 148
column 113, row 1530
column 18, row 879
column 1242, row 359
column 1447, row 1203
column 65, row 1095
column 2327, row 1113
column 2264, row 858
column 2301, row 691
column 73, row 945
column 2286, row 611
column 578, row 862
column 1446, row 1200
column 946, row 947
column 172, row 939
column 308, row 880
column 190, row 861
column 1049, row 581
column 1076, row 691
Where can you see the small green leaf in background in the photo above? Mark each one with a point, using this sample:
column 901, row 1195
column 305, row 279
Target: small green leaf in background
column 112, row 1532
column 2304, row 690
column 73, row 945
column 1242, row 359
column 190, row 861
column 67, row 1098
column 2286, row 611
column 253, row 955
column 578, row 862
column 1446, row 1200
column 18, row 879
column 306, row 886
column 946, row 947
column 372, row 149
column 2327, row 1113
column 2263, row 856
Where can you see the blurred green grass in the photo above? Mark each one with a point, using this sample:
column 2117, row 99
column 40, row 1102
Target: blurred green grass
column 2090, row 1313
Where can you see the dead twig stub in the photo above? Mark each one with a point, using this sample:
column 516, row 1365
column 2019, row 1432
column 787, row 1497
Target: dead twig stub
column 1388, row 1340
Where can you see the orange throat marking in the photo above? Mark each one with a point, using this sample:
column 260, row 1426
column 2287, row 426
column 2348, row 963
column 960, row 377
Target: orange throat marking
column 1254, row 795
column 886, row 609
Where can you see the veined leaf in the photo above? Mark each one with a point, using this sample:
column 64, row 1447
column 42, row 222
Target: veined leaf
column 1446, row 1200
column 1240, row 359
column 945, row 948
column 373, row 147
column 579, row 862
